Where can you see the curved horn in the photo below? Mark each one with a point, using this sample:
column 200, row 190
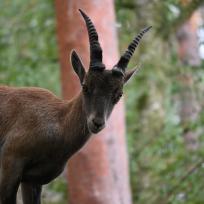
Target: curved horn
column 95, row 48
column 125, row 58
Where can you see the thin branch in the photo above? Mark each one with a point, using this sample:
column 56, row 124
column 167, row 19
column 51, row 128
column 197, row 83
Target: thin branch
column 176, row 186
column 184, row 178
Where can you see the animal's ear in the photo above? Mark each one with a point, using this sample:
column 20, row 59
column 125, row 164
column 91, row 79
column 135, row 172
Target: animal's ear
column 129, row 74
column 78, row 66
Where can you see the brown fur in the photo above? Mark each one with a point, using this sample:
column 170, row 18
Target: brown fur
column 38, row 133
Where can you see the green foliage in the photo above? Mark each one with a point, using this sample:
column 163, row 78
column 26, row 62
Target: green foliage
column 28, row 50
column 162, row 169
column 55, row 192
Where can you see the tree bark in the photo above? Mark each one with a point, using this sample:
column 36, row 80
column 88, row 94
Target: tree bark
column 98, row 173
column 188, row 51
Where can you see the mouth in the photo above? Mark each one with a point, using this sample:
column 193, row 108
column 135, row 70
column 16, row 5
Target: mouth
column 94, row 129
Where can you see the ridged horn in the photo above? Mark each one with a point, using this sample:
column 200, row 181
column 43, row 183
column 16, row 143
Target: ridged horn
column 95, row 48
column 125, row 58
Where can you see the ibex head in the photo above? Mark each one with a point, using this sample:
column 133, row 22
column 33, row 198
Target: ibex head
column 102, row 88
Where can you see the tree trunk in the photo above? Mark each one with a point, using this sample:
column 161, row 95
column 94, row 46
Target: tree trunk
column 189, row 55
column 98, row 173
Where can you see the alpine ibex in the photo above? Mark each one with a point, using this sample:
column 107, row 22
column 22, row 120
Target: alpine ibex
column 40, row 132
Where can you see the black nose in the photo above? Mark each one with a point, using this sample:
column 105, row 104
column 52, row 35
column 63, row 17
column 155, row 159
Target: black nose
column 98, row 122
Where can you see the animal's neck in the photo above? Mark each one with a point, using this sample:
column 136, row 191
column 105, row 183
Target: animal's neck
column 75, row 125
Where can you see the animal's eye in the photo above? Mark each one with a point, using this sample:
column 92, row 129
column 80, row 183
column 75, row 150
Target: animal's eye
column 85, row 89
column 117, row 97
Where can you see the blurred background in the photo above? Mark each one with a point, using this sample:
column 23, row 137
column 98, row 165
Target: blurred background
column 164, row 102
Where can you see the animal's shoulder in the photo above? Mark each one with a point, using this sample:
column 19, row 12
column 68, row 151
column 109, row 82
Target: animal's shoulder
column 27, row 93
